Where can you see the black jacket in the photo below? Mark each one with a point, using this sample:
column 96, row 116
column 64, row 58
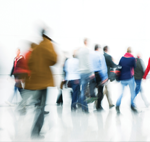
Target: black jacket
column 109, row 62
column 139, row 70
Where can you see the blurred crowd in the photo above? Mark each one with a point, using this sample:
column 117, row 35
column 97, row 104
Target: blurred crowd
column 88, row 73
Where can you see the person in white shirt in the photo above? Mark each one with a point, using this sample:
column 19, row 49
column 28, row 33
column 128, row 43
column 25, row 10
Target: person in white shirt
column 85, row 69
column 73, row 76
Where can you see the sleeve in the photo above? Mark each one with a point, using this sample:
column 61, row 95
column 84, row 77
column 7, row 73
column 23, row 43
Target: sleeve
column 12, row 70
column 141, row 66
column 51, row 54
column 134, row 63
column 147, row 69
column 111, row 63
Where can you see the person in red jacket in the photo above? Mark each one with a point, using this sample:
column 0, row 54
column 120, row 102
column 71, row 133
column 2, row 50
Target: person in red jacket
column 147, row 70
column 20, row 72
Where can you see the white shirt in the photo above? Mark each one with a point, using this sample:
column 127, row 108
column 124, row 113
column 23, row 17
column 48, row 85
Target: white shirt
column 72, row 69
column 84, row 60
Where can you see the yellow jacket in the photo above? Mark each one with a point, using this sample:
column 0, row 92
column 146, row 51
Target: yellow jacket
column 42, row 57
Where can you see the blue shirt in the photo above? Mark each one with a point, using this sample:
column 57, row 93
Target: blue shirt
column 99, row 64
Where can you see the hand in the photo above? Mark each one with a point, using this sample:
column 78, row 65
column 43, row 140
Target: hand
column 104, row 81
column 92, row 76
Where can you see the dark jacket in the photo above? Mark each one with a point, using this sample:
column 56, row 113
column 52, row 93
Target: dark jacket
column 109, row 62
column 139, row 70
column 128, row 64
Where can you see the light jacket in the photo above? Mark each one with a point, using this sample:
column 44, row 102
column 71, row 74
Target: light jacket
column 99, row 64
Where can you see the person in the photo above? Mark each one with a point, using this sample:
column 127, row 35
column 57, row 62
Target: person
column 147, row 70
column 128, row 63
column 42, row 57
column 20, row 72
column 138, row 75
column 110, row 64
column 100, row 70
column 73, row 78
column 83, row 54
column 63, row 82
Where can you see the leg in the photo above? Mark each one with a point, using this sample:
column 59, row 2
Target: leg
column 120, row 97
column 76, row 90
column 100, row 97
column 132, row 91
column 15, row 92
column 84, row 82
column 40, row 119
column 138, row 87
column 108, row 96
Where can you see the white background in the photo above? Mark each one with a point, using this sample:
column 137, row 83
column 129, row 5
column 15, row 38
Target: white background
column 116, row 23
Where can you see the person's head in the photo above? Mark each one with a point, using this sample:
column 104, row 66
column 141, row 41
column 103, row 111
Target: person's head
column 129, row 50
column 105, row 49
column 138, row 55
column 86, row 41
column 44, row 34
column 18, row 52
column 97, row 47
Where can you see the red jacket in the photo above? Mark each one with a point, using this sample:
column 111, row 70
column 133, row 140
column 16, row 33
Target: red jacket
column 19, row 66
column 147, row 69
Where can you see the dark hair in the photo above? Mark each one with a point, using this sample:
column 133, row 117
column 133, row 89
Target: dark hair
column 44, row 35
column 96, row 47
column 105, row 48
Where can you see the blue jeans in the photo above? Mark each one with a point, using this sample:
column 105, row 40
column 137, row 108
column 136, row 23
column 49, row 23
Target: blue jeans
column 75, row 85
column 138, row 86
column 131, row 84
column 84, row 82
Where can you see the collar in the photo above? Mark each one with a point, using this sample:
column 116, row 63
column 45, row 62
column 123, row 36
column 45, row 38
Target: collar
column 128, row 55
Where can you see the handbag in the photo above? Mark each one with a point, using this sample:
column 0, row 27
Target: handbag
column 114, row 73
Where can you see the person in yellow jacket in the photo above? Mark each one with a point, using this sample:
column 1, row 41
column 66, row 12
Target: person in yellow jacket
column 41, row 58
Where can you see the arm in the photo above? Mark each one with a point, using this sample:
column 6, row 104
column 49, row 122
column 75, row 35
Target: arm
column 51, row 54
column 111, row 63
column 147, row 69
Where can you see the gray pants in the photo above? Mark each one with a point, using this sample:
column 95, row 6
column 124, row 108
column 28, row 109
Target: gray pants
column 27, row 107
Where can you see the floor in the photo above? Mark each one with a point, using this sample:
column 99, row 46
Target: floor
column 63, row 125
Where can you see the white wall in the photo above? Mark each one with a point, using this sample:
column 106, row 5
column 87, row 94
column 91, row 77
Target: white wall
column 116, row 23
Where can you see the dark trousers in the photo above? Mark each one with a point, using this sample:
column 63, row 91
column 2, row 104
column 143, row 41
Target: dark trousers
column 60, row 98
column 100, row 90
column 75, row 85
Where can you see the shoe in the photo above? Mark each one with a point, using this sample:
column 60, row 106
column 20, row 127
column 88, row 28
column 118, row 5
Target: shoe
column 134, row 109
column 73, row 108
column 85, row 111
column 46, row 112
column 118, row 109
column 111, row 106
column 100, row 109
column 39, row 137
column 60, row 104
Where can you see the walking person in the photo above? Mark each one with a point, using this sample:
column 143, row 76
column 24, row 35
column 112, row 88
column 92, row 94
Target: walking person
column 63, row 82
column 73, row 79
column 41, row 58
column 83, row 54
column 100, row 70
column 110, row 64
column 138, row 75
column 20, row 72
column 128, row 63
